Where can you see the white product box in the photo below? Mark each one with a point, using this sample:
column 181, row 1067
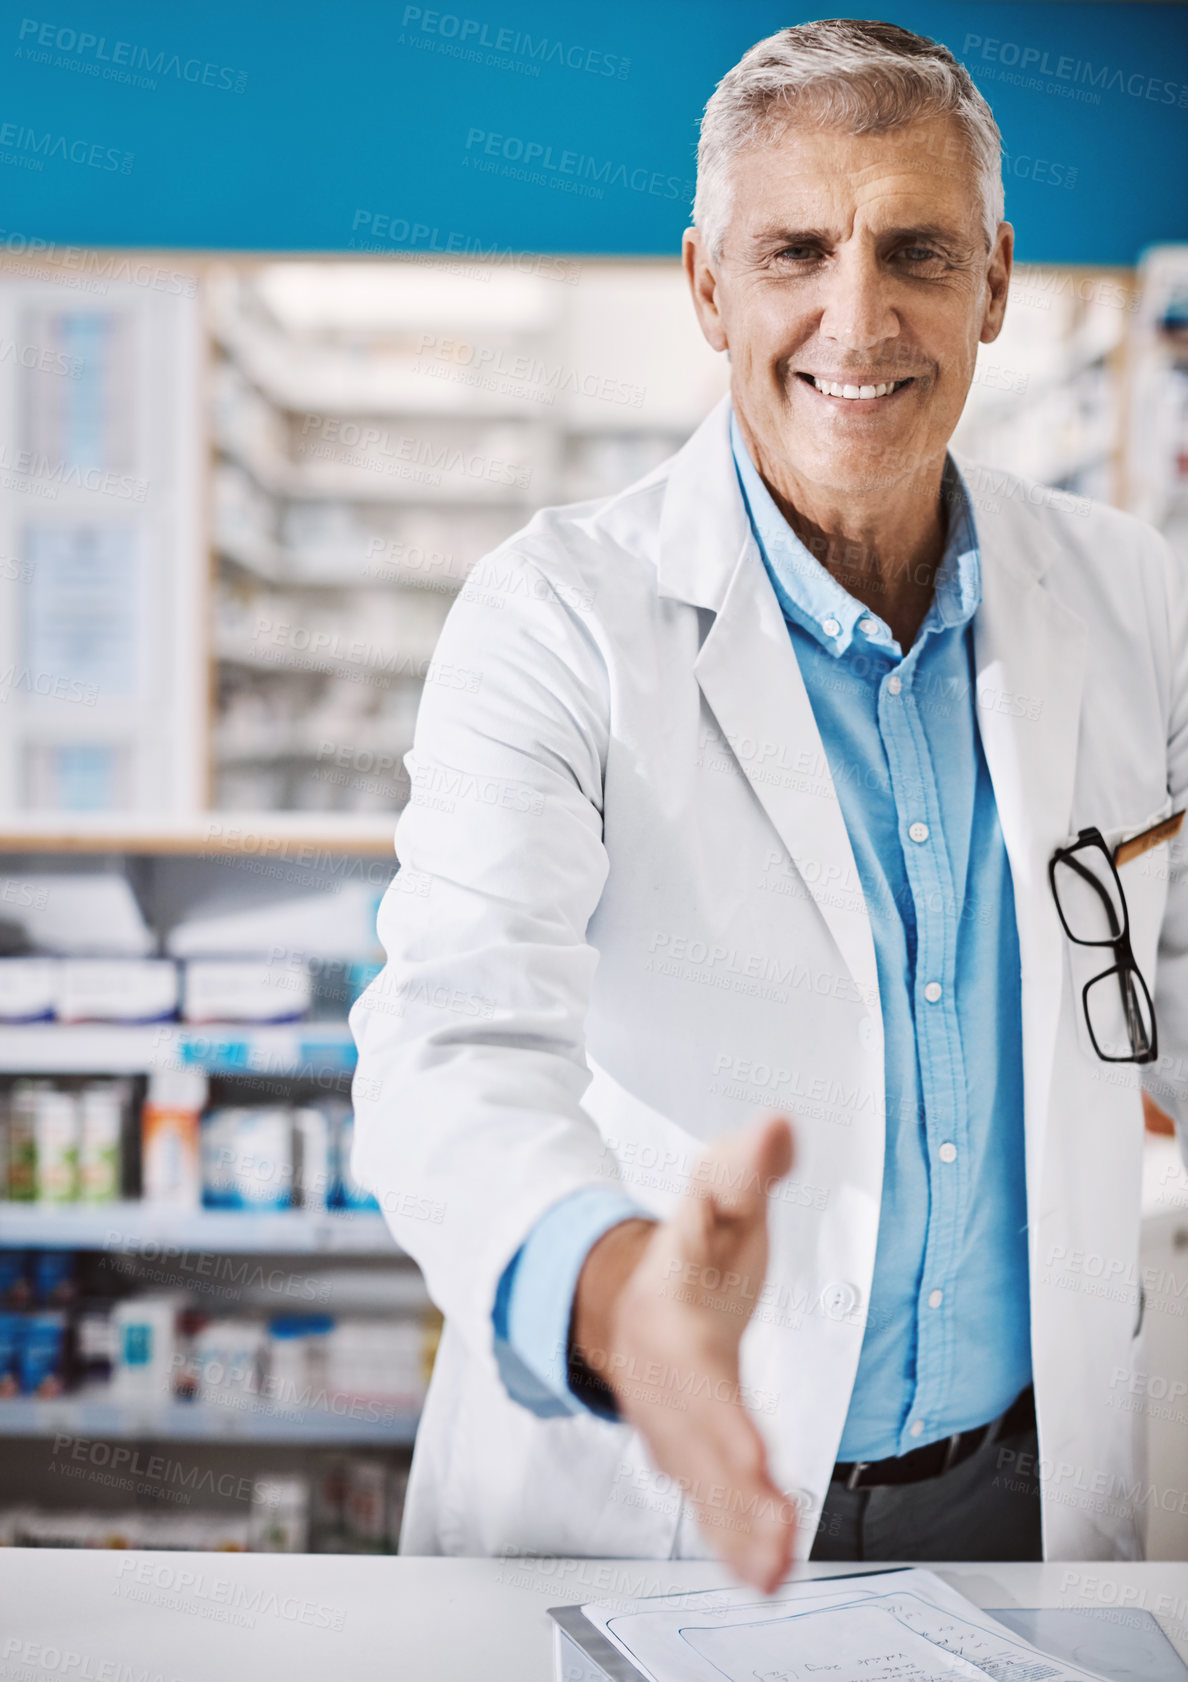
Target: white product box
column 92, row 913
column 313, row 1141
column 145, row 1336
column 279, row 1518
column 117, row 989
column 218, row 1158
column 228, row 1357
column 57, row 1123
column 350, row 1193
column 262, row 1160
column 366, row 1504
column 101, row 1110
column 377, row 1359
column 170, row 1140
column 245, row 990
column 28, row 989
column 43, row 1143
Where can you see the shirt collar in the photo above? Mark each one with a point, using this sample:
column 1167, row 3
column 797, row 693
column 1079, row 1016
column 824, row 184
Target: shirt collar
column 811, row 597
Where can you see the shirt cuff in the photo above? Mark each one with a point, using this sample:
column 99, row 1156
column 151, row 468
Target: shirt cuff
column 534, row 1303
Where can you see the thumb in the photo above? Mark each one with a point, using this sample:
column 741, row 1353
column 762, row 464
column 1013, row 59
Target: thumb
column 739, row 1171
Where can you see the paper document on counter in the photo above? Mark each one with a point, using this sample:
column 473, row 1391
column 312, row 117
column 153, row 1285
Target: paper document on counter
column 903, row 1625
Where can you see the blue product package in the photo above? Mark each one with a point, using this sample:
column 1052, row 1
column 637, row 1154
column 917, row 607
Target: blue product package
column 262, row 1166
column 14, row 1278
column 360, row 977
column 11, row 1328
column 349, row 1194
column 218, row 1159
column 300, row 1325
column 40, row 1355
column 53, row 1277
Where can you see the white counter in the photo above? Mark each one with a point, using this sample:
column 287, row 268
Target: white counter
column 166, row 1617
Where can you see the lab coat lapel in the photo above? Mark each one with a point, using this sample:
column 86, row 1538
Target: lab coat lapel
column 1029, row 651
column 751, row 679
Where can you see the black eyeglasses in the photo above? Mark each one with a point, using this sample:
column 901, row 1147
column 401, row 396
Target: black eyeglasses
column 1089, row 897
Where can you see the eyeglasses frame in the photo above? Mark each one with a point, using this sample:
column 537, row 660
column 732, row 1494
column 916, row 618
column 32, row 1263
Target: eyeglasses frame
column 1124, row 964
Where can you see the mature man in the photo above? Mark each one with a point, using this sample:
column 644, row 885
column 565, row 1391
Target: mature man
column 752, row 816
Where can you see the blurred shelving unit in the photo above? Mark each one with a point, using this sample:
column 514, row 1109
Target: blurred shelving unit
column 1048, row 399
column 241, row 1273
column 284, row 1232
column 182, row 1422
column 102, row 581
column 377, row 430
column 108, row 1048
column 285, row 836
column 264, row 480
column 1158, row 440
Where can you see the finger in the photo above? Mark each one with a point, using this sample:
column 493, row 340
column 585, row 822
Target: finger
column 740, row 1513
column 767, row 1560
column 738, row 1172
column 745, row 1517
column 774, row 1149
column 763, row 1554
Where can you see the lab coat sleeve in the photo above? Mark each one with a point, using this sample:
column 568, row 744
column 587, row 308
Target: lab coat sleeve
column 534, row 1301
column 1167, row 1078
column 471, row 1071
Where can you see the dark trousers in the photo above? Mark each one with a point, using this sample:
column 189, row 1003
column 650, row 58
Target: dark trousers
column 984, row 1508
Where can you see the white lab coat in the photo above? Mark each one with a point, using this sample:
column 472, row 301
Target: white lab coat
column 629, row 919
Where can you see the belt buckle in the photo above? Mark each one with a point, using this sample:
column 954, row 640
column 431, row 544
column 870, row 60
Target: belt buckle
column 856, row 1471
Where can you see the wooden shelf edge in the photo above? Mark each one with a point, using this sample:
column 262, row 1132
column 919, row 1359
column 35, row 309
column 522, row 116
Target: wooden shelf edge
column 279, row 836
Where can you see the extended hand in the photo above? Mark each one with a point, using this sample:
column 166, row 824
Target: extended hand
column 660, row 1311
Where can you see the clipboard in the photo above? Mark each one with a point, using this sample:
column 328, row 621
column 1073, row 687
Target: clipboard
column 1129, row 1648
column 1124, row 1643
column 582, row 1653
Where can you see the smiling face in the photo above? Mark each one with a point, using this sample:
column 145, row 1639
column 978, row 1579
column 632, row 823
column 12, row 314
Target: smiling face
column 853, row 289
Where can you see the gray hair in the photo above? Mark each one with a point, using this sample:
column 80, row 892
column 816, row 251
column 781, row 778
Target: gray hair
column 865, row 77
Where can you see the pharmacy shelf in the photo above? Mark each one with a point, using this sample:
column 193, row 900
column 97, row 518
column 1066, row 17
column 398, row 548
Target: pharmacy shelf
column 359, row 1421
column 296, row 481
column 239, row 648
column 107, row 1048
column 145, row 1227
column 277, row 567
column 280, row 838
column 676, row 428
column 271, row 472
column 247, row 746
column 387, row 386
column 262, row 560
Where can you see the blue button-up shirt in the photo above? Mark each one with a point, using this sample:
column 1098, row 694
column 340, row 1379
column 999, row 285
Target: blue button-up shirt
column 947, row 1338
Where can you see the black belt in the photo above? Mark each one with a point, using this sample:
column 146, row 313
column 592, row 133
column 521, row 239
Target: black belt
column 940, row 1456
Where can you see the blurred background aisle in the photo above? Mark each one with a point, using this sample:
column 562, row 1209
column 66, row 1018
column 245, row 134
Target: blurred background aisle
column 295, row 327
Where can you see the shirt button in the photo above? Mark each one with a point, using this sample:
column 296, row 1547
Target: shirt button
column 947, row 1152
column 839, row 1298
column 919, row 831
column 916, row 1428
column 933, row 992
column 935, row 1299
column 831, row 627
column 868, row 627
column 894, row 683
